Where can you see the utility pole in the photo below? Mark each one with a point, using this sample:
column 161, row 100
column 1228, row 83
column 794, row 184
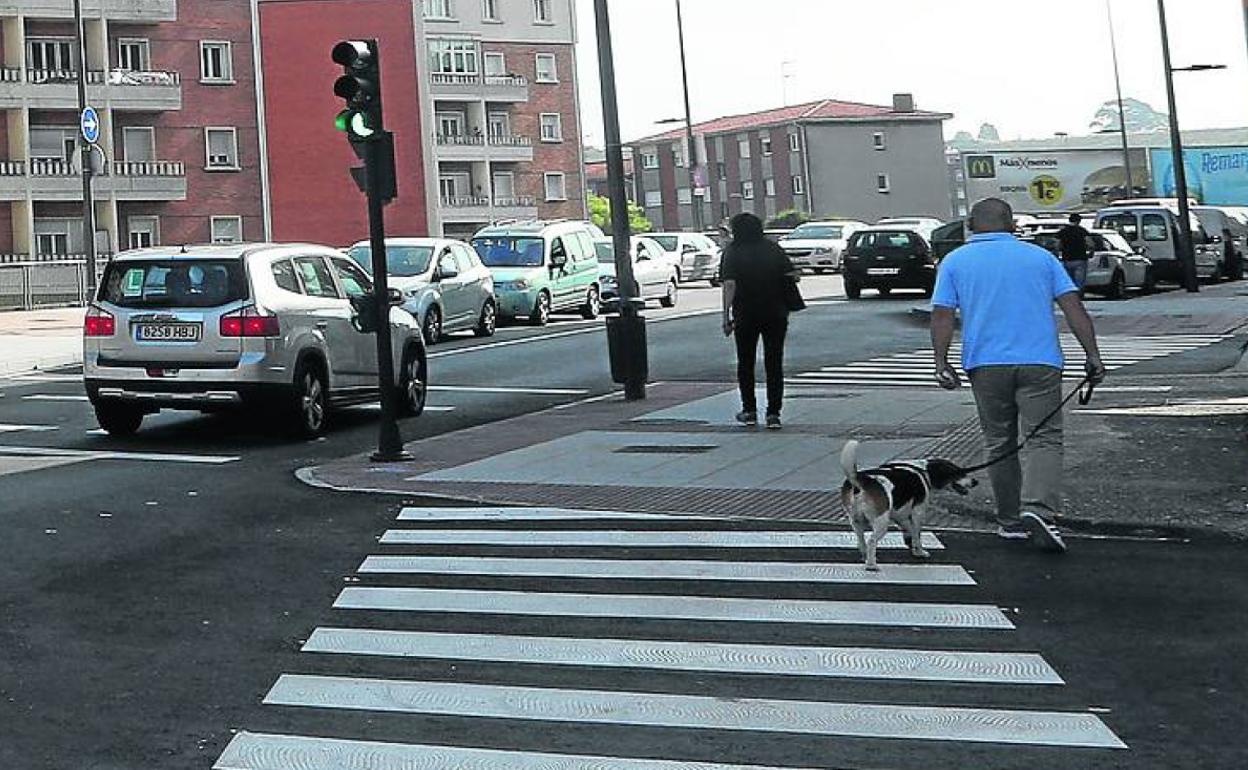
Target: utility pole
column 626, row 334
column 1187, row 250
column 88, row 204
column 691, row 159
column 1122, row 112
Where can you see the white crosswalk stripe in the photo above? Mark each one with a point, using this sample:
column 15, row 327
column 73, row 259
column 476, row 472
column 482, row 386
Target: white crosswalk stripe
column 709, row 561
column 914, row 368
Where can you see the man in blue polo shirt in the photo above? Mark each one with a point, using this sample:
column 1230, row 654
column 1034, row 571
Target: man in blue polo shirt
column 1005, row 290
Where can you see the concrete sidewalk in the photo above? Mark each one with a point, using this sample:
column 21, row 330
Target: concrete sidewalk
column 39, row 339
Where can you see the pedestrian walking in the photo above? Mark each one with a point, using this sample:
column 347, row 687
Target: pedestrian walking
column 756, row 274
column 1074, row 243
column 1005, row 290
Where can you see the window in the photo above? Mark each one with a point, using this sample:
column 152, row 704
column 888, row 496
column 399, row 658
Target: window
column 489, row 10
column 795, row 143
column 799, row 186
column 650, row 160
column 138, row 144
column 1125, row 224
column 317, row 280
column 1154, row 227
column 504, row 186
column 769, row 186
column 543, row 12
column 766, row 142
column 747, row 190
column 451, row 185
column 49, row 244
column 881, row 183
column 654, row 199
column 743, row 148
column 216, row 62
column 53, row 142
column 556, row 187
column 143, row 232
column 133, row 54
column 499, row 125
column 879, row 141
column 439, row 9
column 227, row 229
column 552, row 127
column 284, row 276
column 547, row 68
column 495, row 64
column 678, row 154
column 221, row 146
column 50, row 54
column 453, row 57
column 355, row 282
column 450, row 123
column 684, row 196
column 721, row 170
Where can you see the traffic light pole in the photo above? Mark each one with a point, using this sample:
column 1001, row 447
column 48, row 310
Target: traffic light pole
column 1187, row 249
column 88, row 204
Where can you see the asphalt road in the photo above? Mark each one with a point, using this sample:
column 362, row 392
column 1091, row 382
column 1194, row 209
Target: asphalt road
column 149, row 597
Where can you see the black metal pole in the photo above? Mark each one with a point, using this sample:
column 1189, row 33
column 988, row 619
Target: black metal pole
column 389, row 441
column 691, row 161
column 88, row 204
column 1122, row 112
column 632, row 323
column 1187, row 250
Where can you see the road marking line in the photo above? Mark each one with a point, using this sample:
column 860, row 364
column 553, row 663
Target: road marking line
column 677, row 569
column 260, row 751
column 639, row 539
column 529, row 514
column 7, row 428
column 654, row 607
column 835, row 662
column 527, row 391
column 43, row 378
column 153, row 457
column 53, row 397
column 861, row 720
column 592, row 400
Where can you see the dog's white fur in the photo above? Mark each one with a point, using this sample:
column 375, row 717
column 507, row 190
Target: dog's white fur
column 869, row 503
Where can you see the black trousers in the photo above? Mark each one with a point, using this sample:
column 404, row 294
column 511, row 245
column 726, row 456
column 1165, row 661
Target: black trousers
column 772, row 331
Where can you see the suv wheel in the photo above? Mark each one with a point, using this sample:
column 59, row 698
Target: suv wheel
column 487, row 324
column 413, row 384
column 310, row 403
column 541, row 310
column 886, row 290
column 853, row 290
column 593, row 304
column 669, row 299
column 119, row 420
column 432, row 327
column 1117, row 286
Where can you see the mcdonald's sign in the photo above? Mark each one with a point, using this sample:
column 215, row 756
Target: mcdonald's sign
column 981, row 166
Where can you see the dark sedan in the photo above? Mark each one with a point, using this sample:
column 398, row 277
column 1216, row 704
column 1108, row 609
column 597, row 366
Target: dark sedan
column 885, row 259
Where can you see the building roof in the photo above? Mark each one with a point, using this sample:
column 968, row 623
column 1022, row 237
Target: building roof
column 1215, row 137
column 817, row 111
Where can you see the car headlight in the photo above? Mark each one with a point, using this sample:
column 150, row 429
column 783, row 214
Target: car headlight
column 607, row 280
column 518, row 285
column 824, row 250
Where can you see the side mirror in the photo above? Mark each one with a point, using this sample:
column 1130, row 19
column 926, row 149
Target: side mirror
column 688, row 249
column 446, row 272
column 558, row 260
column 396, row 297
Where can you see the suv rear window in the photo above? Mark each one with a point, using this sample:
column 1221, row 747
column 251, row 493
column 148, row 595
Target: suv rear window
column 506, row 251
column 882, row 240
column 174, row 283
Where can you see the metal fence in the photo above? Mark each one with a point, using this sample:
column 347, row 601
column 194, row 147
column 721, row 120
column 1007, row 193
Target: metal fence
column 30, row 285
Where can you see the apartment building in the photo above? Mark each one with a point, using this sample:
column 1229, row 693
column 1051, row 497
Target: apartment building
column 179, row 157
column 506, row 123
column 827, row 158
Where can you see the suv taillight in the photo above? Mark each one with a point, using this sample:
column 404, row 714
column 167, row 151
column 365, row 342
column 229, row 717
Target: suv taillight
column 98, row 323
column 248, row 322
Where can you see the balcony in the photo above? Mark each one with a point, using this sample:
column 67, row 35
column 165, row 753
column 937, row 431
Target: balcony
column 114, row 10
column 460, row 147
column 472, row 148
column 53, row 179
column 470, row 88
column 119, row 89
column 473, row 209
column 511, row 149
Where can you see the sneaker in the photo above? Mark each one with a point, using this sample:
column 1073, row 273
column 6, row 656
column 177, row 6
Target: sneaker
column 1014, row 531
column 749, row 419
column 773, row 422
column 1046, row 535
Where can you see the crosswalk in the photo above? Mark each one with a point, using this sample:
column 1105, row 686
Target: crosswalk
column 688, row 600
column 913, row 369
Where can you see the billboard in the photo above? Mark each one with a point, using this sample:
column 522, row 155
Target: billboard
column 1217, row 176
column 1061, row 180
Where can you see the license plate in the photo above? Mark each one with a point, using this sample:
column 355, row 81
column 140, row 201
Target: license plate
column 883, row 270
column 169, row 332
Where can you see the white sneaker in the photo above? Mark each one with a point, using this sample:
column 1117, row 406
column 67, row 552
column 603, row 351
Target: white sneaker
column 1046, row 535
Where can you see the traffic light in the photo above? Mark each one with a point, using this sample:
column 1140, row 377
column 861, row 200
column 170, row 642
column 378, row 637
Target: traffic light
column 360, row 87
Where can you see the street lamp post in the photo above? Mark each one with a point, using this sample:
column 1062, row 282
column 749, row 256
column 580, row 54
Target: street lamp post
column 691, row 159
column 88, row 205
column 1122, row 110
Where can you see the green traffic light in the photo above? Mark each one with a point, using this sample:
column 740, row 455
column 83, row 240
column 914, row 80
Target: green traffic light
column 343, row 121
column 354, row 123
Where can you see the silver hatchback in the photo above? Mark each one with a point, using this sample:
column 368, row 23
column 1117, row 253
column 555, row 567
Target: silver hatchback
column 217, row 327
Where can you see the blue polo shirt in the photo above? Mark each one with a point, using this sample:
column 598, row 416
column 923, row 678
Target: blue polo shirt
column 1005, row 290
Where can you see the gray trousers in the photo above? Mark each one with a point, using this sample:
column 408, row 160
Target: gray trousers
column 1012, row 400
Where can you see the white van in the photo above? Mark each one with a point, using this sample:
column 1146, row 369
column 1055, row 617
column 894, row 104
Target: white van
column 1153, row 230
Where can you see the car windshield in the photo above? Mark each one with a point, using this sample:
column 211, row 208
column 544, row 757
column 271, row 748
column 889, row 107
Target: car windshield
column 401, row 261
column 508, row 251
column 816, row 233
column 174, row 283
column 668, row 242
column 605, row 251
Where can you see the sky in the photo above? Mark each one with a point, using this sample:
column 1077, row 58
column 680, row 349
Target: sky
column 1030, row 68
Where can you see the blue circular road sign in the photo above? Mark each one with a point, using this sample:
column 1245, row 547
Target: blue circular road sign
column 90, row 124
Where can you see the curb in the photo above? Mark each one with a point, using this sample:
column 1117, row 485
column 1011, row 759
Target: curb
column 27, row 366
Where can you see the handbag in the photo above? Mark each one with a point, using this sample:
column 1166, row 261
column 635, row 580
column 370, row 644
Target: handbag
column 793, row 301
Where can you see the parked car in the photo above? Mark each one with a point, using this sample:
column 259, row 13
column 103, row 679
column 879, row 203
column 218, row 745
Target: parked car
column 924, row 226
column 1153, row 230
column 218, row 327
column 948, row 237
column 694, row 256
column 818, row 246
column 655, row 277
column 443, row 282
column 1227, row 236
column 886, row 258
column 541, row 268
column 1114, row 267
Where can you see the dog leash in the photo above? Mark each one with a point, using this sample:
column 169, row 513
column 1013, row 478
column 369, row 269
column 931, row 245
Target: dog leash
column 1083, row 391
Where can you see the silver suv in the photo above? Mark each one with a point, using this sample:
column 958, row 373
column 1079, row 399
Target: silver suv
column 216, row 327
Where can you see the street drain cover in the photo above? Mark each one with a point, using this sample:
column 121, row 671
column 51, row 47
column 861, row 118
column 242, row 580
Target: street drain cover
column 671, row 449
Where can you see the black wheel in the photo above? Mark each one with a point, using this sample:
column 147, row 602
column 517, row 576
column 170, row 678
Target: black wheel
column 432, row 327
column 487, row 322
column 852, row 290
column 413, row 384
column 1117, row 286
column 885, row 291
column 541, row 310
column 593, row 304
column 680, row 278
column 929, row 290
column 310, row 402
column 119, row 420
column 669, row 299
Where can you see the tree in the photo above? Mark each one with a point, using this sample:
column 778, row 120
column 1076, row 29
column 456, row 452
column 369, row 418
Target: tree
column 788, row 219
column 989, row 133
column 600, row 214
column 1141, row 118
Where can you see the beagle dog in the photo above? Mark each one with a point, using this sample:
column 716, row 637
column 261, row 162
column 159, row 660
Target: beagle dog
column 896, row 492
